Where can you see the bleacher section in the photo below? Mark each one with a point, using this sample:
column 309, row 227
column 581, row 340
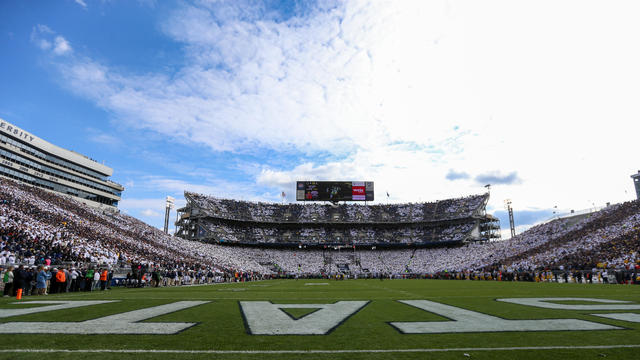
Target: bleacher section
column 215, row 220
column 37, row 227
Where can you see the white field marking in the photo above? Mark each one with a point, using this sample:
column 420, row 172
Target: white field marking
column 604, row 304
column 631, row 317
column 56, row 305
column 265, row 318
column 259, row 352
column 315, row 284
column 465, row 321
column 232, row 289
column 124, row 323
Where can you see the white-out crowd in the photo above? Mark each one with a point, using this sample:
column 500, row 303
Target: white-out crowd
column 226, row 220
column 311, row 212
column 42, row 228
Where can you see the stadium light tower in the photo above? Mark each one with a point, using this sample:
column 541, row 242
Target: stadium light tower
column 636, row 183
column 507, row 206
column 169, row 204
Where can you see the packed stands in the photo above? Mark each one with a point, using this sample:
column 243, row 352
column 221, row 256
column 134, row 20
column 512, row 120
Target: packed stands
column 217, row 220
column 39, row 227
column 235, row 210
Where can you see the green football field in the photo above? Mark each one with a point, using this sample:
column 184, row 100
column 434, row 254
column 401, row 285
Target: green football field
column 328, row 319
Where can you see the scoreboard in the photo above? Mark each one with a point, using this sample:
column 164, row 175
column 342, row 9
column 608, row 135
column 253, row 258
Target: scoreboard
column 334, row 190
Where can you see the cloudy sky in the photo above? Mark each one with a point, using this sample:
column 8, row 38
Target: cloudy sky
column 428, row 99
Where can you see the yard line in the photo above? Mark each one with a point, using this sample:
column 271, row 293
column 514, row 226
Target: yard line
column 222, row 352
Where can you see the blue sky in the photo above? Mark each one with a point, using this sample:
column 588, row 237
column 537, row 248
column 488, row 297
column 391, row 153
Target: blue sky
column 240, row 99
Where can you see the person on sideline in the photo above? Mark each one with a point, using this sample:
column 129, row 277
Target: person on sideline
column 8, row 282
column 41, row 281
column 96, row 280
column 103, row 279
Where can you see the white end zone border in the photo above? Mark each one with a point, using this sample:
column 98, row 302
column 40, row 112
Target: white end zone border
column 304, row 352
column 123, row 323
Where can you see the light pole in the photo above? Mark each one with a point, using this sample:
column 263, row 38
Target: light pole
column 507, row 206
column 169, row 204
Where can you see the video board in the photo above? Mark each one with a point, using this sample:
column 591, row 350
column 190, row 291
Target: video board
column 334, row 191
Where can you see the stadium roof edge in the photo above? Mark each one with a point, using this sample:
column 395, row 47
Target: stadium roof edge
column 190, row 193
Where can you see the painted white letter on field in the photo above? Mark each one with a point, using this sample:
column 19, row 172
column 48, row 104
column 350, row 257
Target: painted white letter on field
column 464, row 321
column 265, row 318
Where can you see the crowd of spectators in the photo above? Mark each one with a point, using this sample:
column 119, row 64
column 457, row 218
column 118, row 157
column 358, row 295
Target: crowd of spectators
column 312, row 212
column 610, row 236
column 607, row 239
column 40, row 228
column 243, row 222
column 43, row 228
column 25, row 280
column 359, row 235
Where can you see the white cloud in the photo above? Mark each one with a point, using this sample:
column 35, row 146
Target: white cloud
column 220, row 188
column 314, row 84
column 403, row 92
column 43, row 44
column 37, row 34
column 150, row 213
column 102, row 138
column 81, row 3
column 43, row 29
column 61, row 46
column 46, row 39
column 137, row 204
column 150, row 207
column 105, row 139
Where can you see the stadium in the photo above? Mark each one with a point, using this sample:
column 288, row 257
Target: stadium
column 311, row 179
column 373, row 275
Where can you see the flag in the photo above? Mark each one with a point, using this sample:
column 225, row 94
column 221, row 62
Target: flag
column 283, row 194
column 387, row 194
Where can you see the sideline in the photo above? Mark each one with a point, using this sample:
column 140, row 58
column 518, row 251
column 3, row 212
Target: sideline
column 135, row 351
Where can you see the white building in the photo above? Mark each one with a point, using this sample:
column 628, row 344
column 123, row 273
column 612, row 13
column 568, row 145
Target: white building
column 27, row 158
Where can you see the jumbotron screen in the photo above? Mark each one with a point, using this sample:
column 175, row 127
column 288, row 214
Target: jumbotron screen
column 334, row 191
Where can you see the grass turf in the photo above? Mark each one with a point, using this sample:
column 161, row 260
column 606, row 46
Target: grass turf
column 220, row 324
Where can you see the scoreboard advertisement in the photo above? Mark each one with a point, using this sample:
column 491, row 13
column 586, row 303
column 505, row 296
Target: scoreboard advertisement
column 334, row 190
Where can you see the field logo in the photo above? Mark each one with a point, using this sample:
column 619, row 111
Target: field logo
column 630, row 317
column 124, row 323
column 54, row 305
column 266, row 318
column 465, row 321
column 601, row 304
column 546, row 303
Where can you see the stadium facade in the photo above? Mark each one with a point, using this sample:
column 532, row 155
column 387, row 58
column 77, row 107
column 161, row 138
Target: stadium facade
column 29, row 159
column 445, row 222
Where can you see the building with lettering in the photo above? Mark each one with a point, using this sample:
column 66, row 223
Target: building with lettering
column 27, row 158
